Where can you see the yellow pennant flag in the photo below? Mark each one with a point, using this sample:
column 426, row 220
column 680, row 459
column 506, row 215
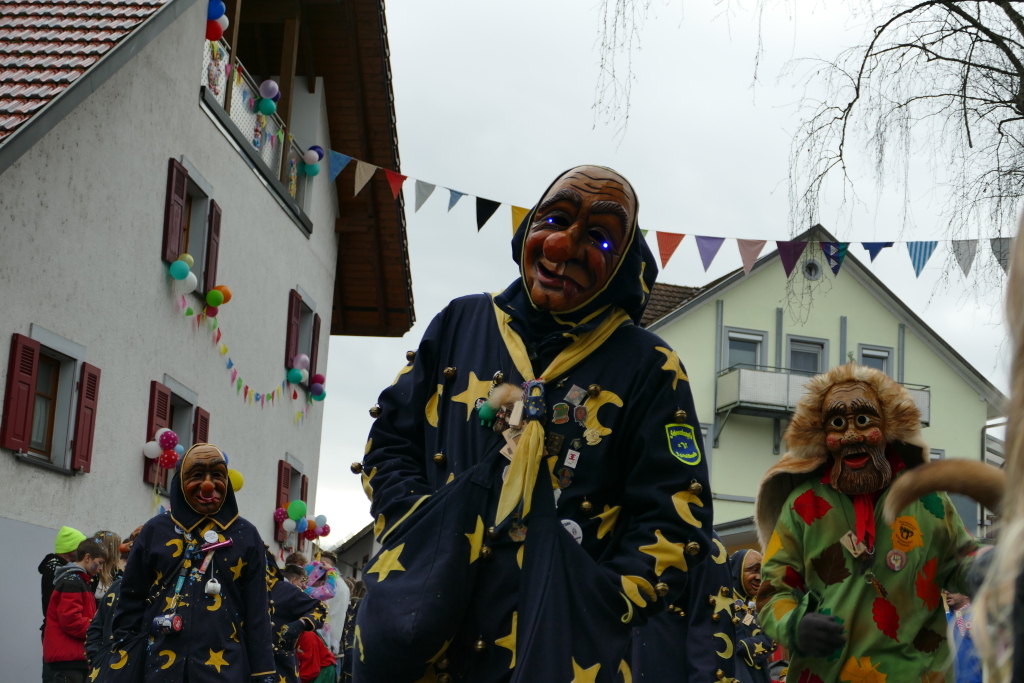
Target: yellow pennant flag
column 518, row 214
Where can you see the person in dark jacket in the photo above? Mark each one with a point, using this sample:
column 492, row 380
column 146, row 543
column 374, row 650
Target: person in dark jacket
column 101, row 631
column 753, row 647
column 292, row 612
column 695, row 640
column 64, row 549
column 69, row 612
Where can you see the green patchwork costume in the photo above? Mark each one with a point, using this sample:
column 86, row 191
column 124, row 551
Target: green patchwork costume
column 891, row 611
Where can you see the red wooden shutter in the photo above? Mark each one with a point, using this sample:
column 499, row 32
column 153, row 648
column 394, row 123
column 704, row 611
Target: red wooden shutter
column 201, row 426
column 284, row 492
column 85, row 418
column 159, row 417
column 291, row 343
column 20, row 399
column 304, row 497
column 314, row 350
column 174, row 211
column 212, row 248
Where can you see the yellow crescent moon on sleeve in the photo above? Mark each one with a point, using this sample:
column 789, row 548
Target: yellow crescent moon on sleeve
column 121, row 662
column 728, row 646
column 170, row 657
column 175, row 543
column 627, row 675
column 215, row 606
column 595, row 404
column 628, row 616
column 722, row 555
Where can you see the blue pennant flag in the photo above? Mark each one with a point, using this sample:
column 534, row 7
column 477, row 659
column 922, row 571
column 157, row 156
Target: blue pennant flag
column 835, row 252
column 231, row 363
column 454, row 199
column 920, row 252
column 338, row 163
column 875, row 247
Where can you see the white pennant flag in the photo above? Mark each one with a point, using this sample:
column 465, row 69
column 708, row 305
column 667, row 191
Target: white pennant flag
column 1001, row 250
column 364, row 172
column 423, row 191
column 964, row 251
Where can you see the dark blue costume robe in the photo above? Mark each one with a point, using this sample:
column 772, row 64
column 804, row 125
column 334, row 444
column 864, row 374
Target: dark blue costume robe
column 226, row 638
column 753, row 647
column 694, row 641
column 453, row 596
column 289, row 604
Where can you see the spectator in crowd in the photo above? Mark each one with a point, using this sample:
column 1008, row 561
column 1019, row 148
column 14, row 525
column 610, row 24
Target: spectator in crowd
column 292, row 614
column 101, row 630
column 316, row 663
column 337, row 607
column 69, row 612
column 295, row 575
column 63, row 552
column 348, row 637
column 113, row 568
column 753, row 647
column 966, row 663
column 297, row 558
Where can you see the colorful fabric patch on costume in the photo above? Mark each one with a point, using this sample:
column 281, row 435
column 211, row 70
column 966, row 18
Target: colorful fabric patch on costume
column 906, row 534
column 682, row 443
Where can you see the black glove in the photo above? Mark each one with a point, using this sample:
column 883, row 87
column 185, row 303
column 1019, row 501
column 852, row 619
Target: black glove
column 819, row 635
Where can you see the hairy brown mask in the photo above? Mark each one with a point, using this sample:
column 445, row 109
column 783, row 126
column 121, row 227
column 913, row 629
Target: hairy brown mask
column 855, row 436
column 204, row 478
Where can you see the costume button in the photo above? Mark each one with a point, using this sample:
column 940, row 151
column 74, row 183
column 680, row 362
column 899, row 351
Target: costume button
column 735, row 620
column 720, row 675
column 680, row 415
column 723, row 591
column 695, row 487
column 410, row 356
column 715, row 617
column 492, row 532
column 444, row 678
column 485, row 552
column 357, row 467
column 585, row 506
column 440, row 459
column 594, row 390
column 498, row 378
column 442, row 664
column 692, row 548
column 450, row 372
column 375, row 410
column 480, row 645
column 661, row 589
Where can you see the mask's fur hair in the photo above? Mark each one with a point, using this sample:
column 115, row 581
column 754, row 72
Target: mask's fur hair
column 805, row 437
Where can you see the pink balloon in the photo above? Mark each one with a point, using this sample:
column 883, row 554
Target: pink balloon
column 168, row 440
column 280, row 514
column 319, row 379
column 212, row 311
column 325, row 529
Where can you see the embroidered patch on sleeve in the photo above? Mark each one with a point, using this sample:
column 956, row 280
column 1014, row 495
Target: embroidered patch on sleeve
column 682, row 443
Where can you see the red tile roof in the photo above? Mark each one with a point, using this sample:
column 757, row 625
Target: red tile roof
column 666, row 298
column 46, row 45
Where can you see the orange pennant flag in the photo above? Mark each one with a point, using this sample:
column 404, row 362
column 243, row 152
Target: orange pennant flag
column 518, row 214
column 395, row 180
column 668, row 242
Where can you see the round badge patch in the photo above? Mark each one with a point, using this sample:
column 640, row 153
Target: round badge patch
column 574, row 530
column 210, row 536
column 896, row 560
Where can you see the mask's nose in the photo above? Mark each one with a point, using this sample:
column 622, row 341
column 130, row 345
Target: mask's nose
column 562, row 245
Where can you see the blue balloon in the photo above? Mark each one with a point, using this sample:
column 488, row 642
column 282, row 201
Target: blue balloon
column 225, row 457
column 179, row 449
column 215, row 10
column 179, row 270
column 301, row 525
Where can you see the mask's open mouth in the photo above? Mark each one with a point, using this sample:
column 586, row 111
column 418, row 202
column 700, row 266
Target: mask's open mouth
column 856, row 462
column 207, row 500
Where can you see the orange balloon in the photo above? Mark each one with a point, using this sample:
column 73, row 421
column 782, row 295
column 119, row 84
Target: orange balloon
column 226, row 291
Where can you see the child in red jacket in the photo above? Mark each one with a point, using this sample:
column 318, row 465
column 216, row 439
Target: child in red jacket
column 71, row 609
column 316, row 663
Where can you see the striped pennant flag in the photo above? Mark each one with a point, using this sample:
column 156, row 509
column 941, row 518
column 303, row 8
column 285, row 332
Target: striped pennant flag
column 920, row 252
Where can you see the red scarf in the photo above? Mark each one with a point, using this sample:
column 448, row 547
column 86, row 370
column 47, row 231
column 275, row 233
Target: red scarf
column 864, row 503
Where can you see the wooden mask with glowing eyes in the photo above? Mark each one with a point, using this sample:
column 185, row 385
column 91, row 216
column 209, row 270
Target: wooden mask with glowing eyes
column 204, row 478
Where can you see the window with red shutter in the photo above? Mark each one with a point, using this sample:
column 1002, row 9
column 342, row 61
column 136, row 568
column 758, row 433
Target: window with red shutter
column 304, row 497
column 314, row 348
column 85, row 418
column 159, row 417
column 174, row 210
column 201, row 426
column 19, row 401
column 291, row 344
column 212, row 247
column 284, row 492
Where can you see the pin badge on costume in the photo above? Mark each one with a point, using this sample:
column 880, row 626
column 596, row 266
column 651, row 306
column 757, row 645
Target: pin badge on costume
column 896, row 560
column 565, row 476
column 747, row 620
column 576, row 395
column 560, row 413
column 210, row 536
column 574, row 530
column 581, row 415
column 553, row 443
column 852, row 545
column 682, row 443
column 213, row 587
column 572, row 458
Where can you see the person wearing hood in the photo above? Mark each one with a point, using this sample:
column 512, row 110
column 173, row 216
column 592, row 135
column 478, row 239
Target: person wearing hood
column 71, row 608
column 193, row 604
column 536, row 470
column 101, row 630
column 64, row 548
column 292, row 613
column 753, row 647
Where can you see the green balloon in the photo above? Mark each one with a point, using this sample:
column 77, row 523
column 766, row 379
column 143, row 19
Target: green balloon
column 179, row 270
column 214, row 298
column 267, row 107
column 295, row 376
column 312, row 169
column 296, row 509
column 321, row 396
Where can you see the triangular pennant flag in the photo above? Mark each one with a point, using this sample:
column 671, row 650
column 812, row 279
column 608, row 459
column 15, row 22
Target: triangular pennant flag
column 423, row 192
column 245, row 393
column 454, row 198
column 395, row 180
column 875, row 247
column 238, row 386
column 485, row 208
column 644, row 233
column 920, row 252
column 668, row 242
column 364, row 172
column 338, row 163
column 790, row 254
column 749, row 251
column 518, row 214
column 1001, row 250
column 965, row 251
column 708, row 248
column 295, row 394
column 835, row 252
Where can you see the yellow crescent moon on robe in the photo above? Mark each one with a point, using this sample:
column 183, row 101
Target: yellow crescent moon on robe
column 121, row 662
column 176, row 544
column 216, row 604
column 594, row 404
column 728, row 646
column 170, row 657
column 627, row 675
column 723, row 554
column 628, row 616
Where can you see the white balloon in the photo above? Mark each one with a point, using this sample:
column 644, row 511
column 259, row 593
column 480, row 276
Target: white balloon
column 301, row 361
column 152, row 449
column 223, row 21
column 156, row 437
column 288, row 525
column 311, row 157
column 188, row 285
column 305, row 376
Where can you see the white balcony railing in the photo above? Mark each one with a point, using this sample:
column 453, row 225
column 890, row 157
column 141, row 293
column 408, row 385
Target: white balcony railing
column 772, row 393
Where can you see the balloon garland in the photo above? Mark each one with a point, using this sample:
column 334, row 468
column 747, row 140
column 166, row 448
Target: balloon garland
column 293, row 519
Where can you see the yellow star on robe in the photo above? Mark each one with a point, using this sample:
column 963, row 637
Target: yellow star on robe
column 217, row 659
column 476, row 540
column 722, row 603
column 378, row 526
column 509, row 642
column 477, row 388
column 431, row 408
column 608, row 519
column 282, row 679
column 237, row 569
column 581, row 675
column 94, row 674
column 387, row 563
column 683, row 500
column 170, row 605
column 401, row 372
column 759, row 649
column 665, row 553
column 234, row 632
column 672, row 365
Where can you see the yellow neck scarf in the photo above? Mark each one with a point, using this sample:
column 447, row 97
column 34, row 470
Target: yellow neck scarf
column 522, row 473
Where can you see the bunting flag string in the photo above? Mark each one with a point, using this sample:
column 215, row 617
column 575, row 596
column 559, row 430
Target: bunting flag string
column 964, row 252
column 668, row 242
column 835, row 252
column 1001, row 250
column 708, row 248
column 423, row 192
column 749, row 251
column 395, row 180
column 364, row 172
column 920, row 252
column 454, row 198
column 485, row 208
column 790, row 253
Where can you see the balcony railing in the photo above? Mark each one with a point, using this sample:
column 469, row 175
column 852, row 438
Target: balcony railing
column 232, row 95
column 774, row 393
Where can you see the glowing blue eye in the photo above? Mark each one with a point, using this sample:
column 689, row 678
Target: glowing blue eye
column 550, row 220
column 605, row 245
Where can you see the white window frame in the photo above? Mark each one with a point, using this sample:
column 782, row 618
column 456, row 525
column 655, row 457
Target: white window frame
column 71, row 356
column 184, row 401
column 759, row 337
column 822, row 345
column 875, row 351
column 201, row 192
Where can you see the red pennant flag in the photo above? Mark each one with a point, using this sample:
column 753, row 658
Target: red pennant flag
column 245, row 393
column 395, row 180
column 668, row 242
column 295, row 395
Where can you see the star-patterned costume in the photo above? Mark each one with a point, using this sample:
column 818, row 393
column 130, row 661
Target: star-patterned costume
column 695, row 640
column 289, row 605
column 619, row 510
column 226, row 637
column 753, row 646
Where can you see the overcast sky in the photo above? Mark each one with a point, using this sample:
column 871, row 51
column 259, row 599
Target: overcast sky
column 496, row 99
